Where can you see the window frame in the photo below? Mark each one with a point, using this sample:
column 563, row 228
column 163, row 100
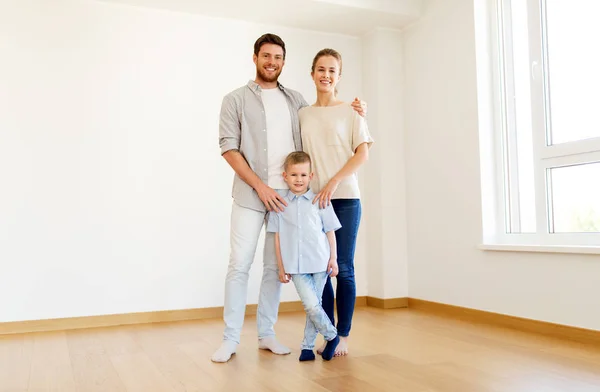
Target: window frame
column 500, row 226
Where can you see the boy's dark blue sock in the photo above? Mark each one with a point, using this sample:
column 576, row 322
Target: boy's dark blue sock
column 330, row 348
column 307, row 355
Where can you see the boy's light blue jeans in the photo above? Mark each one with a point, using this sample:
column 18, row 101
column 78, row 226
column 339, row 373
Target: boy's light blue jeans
column 310, row 290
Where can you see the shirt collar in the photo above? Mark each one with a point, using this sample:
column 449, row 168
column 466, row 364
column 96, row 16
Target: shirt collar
column 255, row 87
column 309, row 195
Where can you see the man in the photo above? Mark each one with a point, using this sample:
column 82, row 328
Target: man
column 258, row 128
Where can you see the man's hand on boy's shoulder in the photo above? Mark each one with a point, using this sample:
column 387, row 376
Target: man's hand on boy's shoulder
column 272, row 200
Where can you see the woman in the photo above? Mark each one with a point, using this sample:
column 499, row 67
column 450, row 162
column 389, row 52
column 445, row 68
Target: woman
column 338, row 141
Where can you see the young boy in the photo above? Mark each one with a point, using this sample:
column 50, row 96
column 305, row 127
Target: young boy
column 305, row 248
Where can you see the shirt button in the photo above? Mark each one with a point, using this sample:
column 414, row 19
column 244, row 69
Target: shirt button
column 265, row 149
column 264, row 130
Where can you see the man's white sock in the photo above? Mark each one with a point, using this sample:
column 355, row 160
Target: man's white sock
column 270, row 343
column 224, row 353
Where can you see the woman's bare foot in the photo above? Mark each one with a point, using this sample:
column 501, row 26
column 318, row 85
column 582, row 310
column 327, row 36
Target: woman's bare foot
column 342, row 348
column 320, row 349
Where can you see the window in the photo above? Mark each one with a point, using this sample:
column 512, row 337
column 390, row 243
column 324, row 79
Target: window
column 545, row 94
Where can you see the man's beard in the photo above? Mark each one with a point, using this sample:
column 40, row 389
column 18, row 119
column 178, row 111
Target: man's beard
column 266, row 78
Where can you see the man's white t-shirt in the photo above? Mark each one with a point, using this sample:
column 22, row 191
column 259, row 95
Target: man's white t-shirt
column 280, row 141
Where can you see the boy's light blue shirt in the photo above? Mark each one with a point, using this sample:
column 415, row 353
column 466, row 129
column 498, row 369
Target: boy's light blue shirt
column 302, row 228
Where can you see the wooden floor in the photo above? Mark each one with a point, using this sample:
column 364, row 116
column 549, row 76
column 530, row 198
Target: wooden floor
column 391, row 350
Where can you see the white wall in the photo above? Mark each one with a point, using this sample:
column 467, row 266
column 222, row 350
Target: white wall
column 114, row 197
column 385, row 177
column 444, row 195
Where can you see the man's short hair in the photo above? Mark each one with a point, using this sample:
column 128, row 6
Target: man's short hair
column 295, row 158
column 269, row 39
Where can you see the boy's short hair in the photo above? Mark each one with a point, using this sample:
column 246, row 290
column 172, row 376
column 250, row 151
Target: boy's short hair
column 295, row 158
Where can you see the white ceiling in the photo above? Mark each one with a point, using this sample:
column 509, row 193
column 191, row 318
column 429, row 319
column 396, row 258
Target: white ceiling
column 352, row 17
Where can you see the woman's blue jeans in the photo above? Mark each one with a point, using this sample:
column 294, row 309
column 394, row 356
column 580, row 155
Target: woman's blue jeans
column 348, row 212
